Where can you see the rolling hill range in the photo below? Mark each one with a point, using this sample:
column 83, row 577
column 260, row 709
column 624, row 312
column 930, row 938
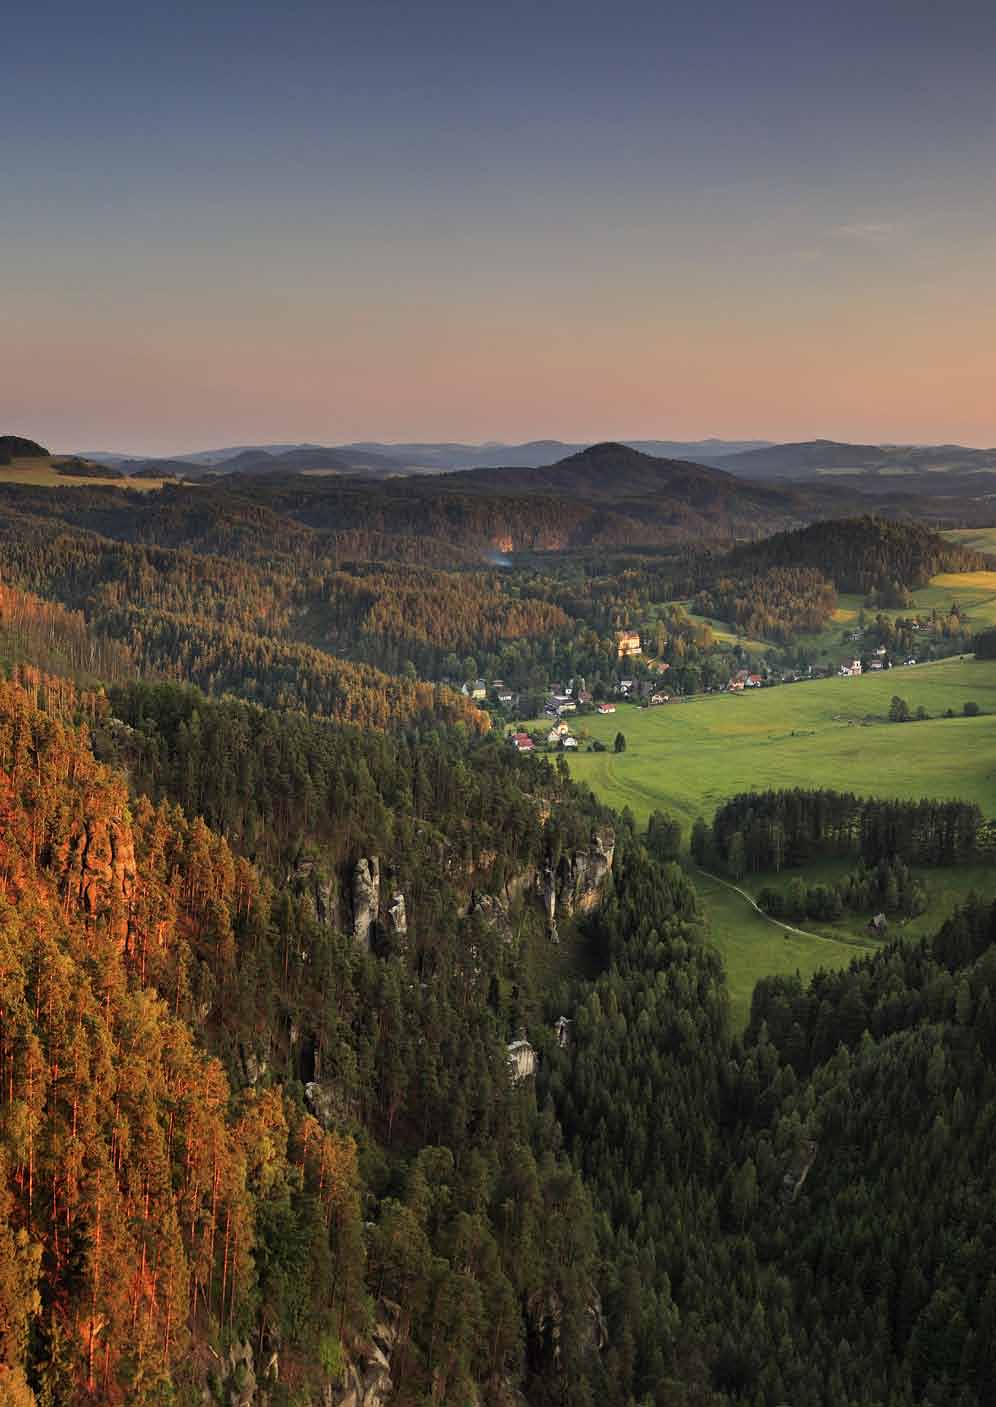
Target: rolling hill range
column 374, row 457
column 607, row 495
column 813, row 459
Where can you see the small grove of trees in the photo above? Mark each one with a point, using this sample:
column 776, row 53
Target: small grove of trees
column 888, row 886
column 899, row 712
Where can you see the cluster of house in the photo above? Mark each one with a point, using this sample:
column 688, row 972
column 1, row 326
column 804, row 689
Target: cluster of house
column 851, row 668
column 745, row 679
column 477, row 690
column 646, row 690
column 560, row 735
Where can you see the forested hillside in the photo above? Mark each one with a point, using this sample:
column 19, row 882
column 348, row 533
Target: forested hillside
column 224, row 1119
column 861, row 554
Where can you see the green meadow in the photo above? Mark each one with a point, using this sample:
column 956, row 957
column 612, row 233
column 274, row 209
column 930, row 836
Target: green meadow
column 43, row 472
column 753, row 946
column 689, row 757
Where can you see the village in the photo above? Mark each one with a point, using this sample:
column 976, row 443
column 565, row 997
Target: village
column 563, row 705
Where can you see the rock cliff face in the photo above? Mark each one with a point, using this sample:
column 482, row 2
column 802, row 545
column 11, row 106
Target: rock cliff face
column 366, row 899
column 100, row 873
column 366, row 1379
column 397, row 917
column 580, row 875
column 493, row 911
column 309, row 878
column 575, row 886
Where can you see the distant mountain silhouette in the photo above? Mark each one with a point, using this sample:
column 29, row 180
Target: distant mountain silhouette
column 373, row 458
column 447, row 456
column 814, row 458
column 610, row 471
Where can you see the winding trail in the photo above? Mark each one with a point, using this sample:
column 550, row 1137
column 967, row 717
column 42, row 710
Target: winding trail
column 799, row 932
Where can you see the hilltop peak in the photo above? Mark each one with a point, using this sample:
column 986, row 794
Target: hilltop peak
column 17, row 447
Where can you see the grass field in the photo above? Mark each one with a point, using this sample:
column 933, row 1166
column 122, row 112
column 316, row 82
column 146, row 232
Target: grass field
column 44, row 473
column 753, row 947
column 687, row 758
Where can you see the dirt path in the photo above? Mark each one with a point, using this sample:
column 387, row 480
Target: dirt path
column 799, row 932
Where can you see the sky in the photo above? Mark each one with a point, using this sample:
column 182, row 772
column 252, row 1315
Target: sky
column 228, row 223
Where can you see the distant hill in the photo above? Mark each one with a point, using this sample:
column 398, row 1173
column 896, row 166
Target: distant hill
column 374, row 457
column 605, row 495
column 16, row 447
column 443, row 457
column 298, row 460
column 608, row 470
column 656, row 491
column 818, row 458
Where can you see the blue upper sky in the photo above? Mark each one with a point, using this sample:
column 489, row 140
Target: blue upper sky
column 250, row 221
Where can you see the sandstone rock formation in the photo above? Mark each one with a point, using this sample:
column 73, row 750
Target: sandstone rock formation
column 366, row 899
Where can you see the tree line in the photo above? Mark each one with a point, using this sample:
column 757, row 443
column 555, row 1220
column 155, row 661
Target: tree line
column 773, row 830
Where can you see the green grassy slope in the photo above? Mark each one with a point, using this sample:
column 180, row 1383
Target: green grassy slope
column 43, row 472
column 690, row 757
column 752, row 946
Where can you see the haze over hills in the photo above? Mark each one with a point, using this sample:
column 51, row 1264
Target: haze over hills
column 753, row 459
column 373, row 456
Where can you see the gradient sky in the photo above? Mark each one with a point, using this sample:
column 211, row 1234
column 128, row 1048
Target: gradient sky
column 241, row 222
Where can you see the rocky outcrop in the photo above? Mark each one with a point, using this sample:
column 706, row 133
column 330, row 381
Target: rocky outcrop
column 233, row 1382
column 366, row 1379
column 796, row 1175
column 548, row 887
column 575, row 886
column 581, row 874
column 397, row 917
column 101, row 871
column 309, row 878
column 493, row 911
column 366, row 899
column 323, row 1102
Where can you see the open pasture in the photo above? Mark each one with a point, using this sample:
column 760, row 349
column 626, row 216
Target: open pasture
column 44, row 473
column 689, row 757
